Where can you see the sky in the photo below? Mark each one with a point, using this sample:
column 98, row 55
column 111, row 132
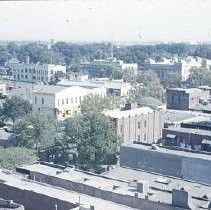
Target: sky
column 106, row 20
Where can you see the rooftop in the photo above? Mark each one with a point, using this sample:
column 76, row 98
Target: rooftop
column 188, row 90
column 53, row 89
column 56, row 192
column 178, row 116
column 190, row 130
column 160, row 187
column 170, row 151
column 116, row 113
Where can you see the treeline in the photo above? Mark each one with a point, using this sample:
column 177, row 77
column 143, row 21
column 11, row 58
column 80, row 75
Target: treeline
column 73, row 54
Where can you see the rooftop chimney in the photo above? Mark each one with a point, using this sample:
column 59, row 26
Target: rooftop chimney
column 180, row 198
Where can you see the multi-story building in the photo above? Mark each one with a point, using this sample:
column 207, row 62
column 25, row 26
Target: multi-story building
column 185, row 99
column 61, row 101
column 98, row 67
column 35, row 72
column 182, row 67
column 113, row 87
column 137, row 124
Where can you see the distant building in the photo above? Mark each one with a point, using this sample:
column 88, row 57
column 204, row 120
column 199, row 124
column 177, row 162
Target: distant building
column 137, row 124
column 61, row 101
column 182, row 67
column 96, row 67
column 35, row 72
column 184, row 99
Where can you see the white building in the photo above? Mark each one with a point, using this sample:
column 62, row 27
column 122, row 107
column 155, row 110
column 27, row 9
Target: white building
column 35, row 72
column 113, row 87
column 182, row 67
column 61, row 102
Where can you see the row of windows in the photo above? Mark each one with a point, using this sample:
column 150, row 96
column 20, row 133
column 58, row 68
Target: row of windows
column 63, row 101
column 145, row 137
column 71, row 100
column 32, row 71
column 26, row 77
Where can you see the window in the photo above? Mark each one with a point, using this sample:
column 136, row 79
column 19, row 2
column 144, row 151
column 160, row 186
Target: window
column 139, row 138
column 34, row 78
column 26, row 76
column 66, row 100
column 30, row 71
column 145, row 123
column 62, row 101
column 58, row 102
column 21, row 76
column 145, row 137
column 42, row 100
column 139, row 124
column 51, row 71
column 35, row 100
column 121, row 129
column 80, row 99
column 21, row 70
column 34, row 71
column 26, row 70
column 38, row 109
column 71, row 100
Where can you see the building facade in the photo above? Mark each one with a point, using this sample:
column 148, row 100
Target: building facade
column 142, row 124
column 182, row 67
column 35, row 72
column 184, row 99
column 61, row 102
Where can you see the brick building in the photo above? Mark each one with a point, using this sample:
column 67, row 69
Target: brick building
column 184, row 99
column 142, row 124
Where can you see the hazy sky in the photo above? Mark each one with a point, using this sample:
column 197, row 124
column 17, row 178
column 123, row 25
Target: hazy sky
column 106, row 20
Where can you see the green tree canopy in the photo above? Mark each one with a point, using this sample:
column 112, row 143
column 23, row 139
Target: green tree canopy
column 15, row 108
column 89, row 140
column 37, row 132
column 96, row 103
column 172, row 80
column 12, row 157
column 198, row 77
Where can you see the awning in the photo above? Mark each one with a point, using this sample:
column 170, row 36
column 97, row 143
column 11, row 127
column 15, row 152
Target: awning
column 171, row 136
column 206, row 142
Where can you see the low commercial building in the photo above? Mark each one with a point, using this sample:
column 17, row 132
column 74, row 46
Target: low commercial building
column 193, row 166
column 189, row 138
column 61, row 102
column 26, row 72
column 184, row 99
column 137, row 124
column 143, row 191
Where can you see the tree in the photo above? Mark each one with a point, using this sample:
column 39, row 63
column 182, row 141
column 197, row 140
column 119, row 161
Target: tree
column 37, row 132
column 198, row 77
column 12, row 157
column 89, row 141
column 15, row 108
column 172, row 80
column 96, row 103
column 148, row 84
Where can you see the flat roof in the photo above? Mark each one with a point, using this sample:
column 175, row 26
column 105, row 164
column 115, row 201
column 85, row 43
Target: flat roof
column 188, row 90
column 170, row 151
column 116, row 113
column 189, row 130
column 59, row 193
column 160, row 187
column 173, row 116
column 162, row 191
column 53, row 89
